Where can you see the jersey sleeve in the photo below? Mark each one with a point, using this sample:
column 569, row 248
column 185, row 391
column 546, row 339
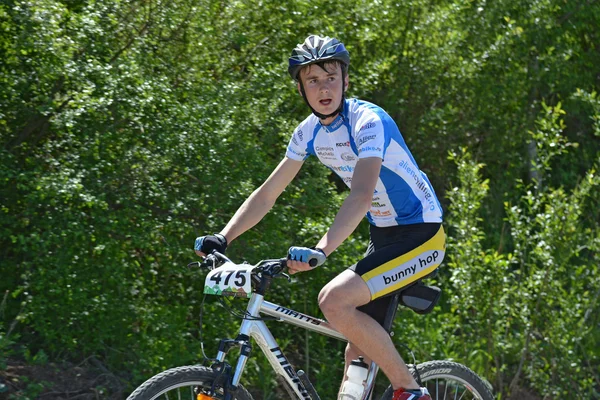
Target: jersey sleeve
column 370, row 137
column 298, row 146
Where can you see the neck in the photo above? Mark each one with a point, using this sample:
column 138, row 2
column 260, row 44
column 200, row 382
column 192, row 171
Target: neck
column 328, row 120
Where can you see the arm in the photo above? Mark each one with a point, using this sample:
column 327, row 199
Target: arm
column 355, row 206
column 260, row 202
column 351, row 212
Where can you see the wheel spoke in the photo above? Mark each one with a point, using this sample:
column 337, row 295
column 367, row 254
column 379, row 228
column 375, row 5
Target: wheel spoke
column 448, row 388
column 448, row 380
column 445, row 390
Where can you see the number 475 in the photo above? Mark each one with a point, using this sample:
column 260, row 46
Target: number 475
column 240, row 278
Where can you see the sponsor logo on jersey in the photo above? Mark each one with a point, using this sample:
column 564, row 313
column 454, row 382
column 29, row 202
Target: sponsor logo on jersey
column 295, row 141
column 336, row 124
column 379, row 213
column 344, row 144
column 325, row 153
column 348, row 157
column 343, row 168
column 368, row 125
column 420, row 182
column 323, row 148
column 369, row 148
column 348, row 180
column 300, row 135
column 296, row 153
column 365, row 139
column 377, row 204
column 327, row 156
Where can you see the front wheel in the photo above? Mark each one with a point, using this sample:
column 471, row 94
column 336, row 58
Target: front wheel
column 189, row 382
column 449, row 380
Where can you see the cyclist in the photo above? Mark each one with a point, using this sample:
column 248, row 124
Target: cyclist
column 361, row 143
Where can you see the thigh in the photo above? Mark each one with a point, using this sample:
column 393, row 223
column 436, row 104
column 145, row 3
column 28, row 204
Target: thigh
column 396, row 258
column 346, row 288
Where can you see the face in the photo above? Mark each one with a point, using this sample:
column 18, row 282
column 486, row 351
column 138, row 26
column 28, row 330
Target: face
column 323, row 88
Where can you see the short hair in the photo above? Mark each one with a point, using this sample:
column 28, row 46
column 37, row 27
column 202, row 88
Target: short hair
column 324, row 65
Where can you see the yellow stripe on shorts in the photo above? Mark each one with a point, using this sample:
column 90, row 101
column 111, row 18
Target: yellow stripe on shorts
column 407, row 268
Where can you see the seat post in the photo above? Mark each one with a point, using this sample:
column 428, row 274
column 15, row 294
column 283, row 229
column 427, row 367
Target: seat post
column 391, row 312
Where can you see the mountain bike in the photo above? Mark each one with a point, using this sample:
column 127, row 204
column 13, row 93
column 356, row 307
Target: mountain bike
column 221, row 380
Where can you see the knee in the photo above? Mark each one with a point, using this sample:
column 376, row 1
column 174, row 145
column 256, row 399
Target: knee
column 328, row 301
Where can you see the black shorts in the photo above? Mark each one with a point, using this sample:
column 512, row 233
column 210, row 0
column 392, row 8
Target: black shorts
column 396, row 257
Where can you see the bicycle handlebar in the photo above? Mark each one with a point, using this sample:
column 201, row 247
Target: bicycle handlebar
column 216, row 259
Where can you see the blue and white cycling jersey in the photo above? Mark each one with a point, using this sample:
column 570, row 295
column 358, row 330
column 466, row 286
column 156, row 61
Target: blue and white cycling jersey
column 403, row 194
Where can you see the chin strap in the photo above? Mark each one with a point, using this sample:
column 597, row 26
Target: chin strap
column 318, row 114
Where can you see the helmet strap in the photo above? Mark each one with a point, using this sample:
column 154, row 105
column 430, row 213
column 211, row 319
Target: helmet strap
column 337, row 111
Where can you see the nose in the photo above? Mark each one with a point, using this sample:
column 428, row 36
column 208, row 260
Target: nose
column 324, row 87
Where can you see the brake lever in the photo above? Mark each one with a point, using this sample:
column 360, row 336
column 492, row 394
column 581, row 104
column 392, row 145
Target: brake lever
column 204, row 263
column 285, row 275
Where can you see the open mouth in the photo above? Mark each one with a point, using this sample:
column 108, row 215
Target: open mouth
column 325, row 102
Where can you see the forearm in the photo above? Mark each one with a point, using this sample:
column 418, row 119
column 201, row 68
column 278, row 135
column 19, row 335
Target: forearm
column 249, row 214
column 353, row 210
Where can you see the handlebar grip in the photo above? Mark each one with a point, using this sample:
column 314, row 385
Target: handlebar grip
column 313, row 262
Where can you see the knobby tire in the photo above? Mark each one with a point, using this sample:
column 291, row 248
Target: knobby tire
column 183, row 383
column 444, row 379
column 449, row 380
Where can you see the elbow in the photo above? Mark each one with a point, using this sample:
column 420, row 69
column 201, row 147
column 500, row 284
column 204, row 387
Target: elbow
column 362, row 199
column 264, row 195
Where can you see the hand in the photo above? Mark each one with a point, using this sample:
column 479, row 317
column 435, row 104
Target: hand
column 205, row 244
column 304, row 259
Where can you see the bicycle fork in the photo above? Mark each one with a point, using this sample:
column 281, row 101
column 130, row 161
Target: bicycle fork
column 230, row 384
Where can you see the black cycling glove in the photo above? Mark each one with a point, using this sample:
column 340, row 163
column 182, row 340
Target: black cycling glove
column 208, row 243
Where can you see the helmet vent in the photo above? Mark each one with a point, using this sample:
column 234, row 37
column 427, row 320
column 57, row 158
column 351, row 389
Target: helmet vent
column 316, row 49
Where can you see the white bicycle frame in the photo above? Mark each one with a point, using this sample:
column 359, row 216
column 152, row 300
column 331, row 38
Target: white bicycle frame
column 258, row 330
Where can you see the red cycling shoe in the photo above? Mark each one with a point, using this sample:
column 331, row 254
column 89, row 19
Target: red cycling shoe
column 419, row 394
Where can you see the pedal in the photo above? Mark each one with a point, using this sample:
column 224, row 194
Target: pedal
column 308, row 386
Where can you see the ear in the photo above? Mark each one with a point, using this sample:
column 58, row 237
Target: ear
column 298, row 87
column 346, row 83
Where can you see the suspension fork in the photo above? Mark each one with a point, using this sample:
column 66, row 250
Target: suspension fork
column 230, row 382
column 242, row 341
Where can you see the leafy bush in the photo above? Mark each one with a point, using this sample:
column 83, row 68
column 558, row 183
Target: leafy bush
column 128, row 128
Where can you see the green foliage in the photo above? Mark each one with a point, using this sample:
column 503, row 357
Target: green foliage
column 128, row 128
column 32, row 390
column 477, row 293
column 528, row 309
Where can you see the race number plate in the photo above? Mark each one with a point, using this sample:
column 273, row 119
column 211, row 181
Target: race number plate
column 229, row 280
